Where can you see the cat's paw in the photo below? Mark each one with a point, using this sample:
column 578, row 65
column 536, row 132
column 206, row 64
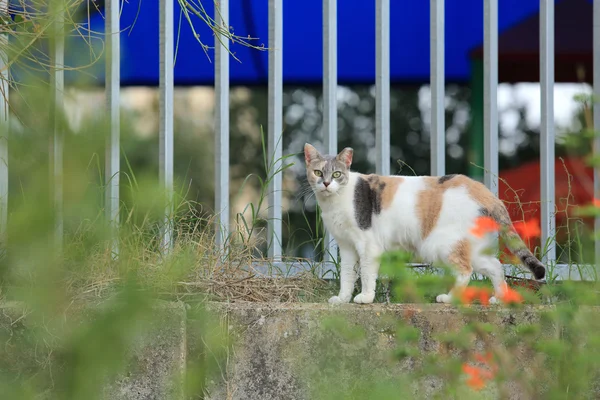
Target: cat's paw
column 364, row 298
column 494, row 300
column 336, row 300
column 443, row 298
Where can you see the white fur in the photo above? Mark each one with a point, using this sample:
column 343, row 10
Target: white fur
column 398, row 227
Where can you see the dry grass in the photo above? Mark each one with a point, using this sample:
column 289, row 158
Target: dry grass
column 229, row 287
column 194, row 269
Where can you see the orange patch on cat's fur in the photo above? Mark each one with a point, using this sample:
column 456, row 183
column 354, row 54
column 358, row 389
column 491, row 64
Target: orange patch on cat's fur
column 460, row 257
column 429, row 204
column 389, row 191
column 385, row 187
column 486, row 199
column 478, row 191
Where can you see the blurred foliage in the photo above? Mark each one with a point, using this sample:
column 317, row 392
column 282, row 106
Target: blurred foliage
column 73, row 312
column 81, row 310
column 470, row 352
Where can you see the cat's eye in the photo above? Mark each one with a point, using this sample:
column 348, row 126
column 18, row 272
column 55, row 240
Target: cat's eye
column 318, row 173
column 336, row 174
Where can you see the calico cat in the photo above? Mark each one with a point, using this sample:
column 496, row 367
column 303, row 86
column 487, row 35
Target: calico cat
column 429, row 216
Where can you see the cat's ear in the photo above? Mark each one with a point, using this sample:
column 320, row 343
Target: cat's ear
column 345, row 156
column 310, row 153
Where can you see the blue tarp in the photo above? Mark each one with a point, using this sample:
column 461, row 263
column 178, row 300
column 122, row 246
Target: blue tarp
column 302, row 38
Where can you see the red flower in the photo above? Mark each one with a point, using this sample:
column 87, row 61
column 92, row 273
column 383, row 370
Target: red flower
column 478, row 375
column 528, row 229
column 487, row 360
column 484, row 296
column 469, row 294
column 476, row 378
column 484, row 225
column 510, row 295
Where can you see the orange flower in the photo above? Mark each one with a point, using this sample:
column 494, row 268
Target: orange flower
column 484, row 225
column 469, row 294
column 476, row 378
column 510, row 295
column 528, row 229
column 487, row 360
column 596, row 202
column 479, row 375
column 484, row 359
column 484, row 296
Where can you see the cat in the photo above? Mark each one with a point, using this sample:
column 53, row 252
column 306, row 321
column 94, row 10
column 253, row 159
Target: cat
column 430, row 216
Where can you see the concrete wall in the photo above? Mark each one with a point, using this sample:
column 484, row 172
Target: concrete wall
column 280, row 348
column 292, row 351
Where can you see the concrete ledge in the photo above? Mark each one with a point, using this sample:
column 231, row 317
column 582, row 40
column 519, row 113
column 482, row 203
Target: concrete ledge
column 283, row 350
column 157, row 360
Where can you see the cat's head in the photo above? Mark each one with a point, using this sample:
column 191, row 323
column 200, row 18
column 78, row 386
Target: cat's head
column 326, row 174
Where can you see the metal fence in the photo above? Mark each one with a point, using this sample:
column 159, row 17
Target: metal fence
column 275, row 108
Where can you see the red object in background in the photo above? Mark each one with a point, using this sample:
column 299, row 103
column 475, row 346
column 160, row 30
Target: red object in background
column 519, row 188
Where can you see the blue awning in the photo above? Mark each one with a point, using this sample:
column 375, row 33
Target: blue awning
column 302, row 50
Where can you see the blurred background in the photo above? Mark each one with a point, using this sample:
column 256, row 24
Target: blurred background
column 73, row 314
column 518, row 98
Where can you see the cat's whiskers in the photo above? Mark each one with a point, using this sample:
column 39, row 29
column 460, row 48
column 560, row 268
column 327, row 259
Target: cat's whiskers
column 304, row 184
column 304, row 193
column 306, row 199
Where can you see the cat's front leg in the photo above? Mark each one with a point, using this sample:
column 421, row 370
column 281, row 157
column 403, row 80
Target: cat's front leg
column 348, row 274
column 369, row 268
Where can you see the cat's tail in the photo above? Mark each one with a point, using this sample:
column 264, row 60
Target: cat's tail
column 516, row 245
column 514, row 242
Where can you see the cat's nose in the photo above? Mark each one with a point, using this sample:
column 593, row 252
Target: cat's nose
column 326, row 183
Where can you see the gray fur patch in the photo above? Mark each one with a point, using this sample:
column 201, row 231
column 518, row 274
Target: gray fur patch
column 498, row 213
column 535, row 266
column 484, row 212
column 367, row 202
column 514, row 242
column 445, row 178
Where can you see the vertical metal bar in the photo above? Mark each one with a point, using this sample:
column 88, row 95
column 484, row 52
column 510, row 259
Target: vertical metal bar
column 57, row 86
column 382, row 86
column 490, row 95
column 330, row 98
column 596, row 111
column 166, row 116
column 4, row 126
column 275, row 129
column 222, row 126
column 112, row 88
column 438, row 124
column 547, row 127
